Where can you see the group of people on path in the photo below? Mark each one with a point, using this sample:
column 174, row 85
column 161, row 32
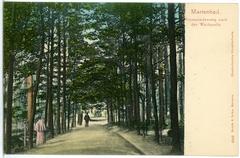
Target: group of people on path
column 40, row 128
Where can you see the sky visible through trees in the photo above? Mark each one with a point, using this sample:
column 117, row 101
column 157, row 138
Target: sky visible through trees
column 63, row 59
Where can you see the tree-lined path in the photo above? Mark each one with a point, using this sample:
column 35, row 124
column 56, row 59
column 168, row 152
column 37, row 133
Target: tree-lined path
column 95, row 139
column 124, row 62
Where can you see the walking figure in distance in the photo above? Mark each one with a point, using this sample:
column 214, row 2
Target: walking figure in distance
column 87, row 119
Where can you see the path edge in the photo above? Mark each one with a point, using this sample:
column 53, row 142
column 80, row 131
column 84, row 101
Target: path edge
column 133, row 144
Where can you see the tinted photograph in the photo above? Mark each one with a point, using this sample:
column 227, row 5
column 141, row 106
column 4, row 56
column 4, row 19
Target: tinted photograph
column 93, row 78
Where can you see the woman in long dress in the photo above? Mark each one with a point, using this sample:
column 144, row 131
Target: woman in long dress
column 40, row 129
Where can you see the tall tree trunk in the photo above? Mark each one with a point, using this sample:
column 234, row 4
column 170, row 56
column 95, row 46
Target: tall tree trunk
column 80, row 116
column 64, row 77
column 166, row 67
column 166, row 82
column 118, row 110
column 148, row 93
column 153, row 91
column 59, row 79
column 160, row 95
column 111, row 111
column 180, row 87
column 36, row 86
column 122, row 91
column 50, row 106
column 136, row 89
column 10, row 86
column 130, row 111
column 47, row 74
column 74, row 115
column 47, row 93
column 108, row 112
column 181, row 60
column 125, row 100
column 143, row 106
column 29, row 81
column 69, row 114
column 152, row 80
column 173, row 67
column 9, row 104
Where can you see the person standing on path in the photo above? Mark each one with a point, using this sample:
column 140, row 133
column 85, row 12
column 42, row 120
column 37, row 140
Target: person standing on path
column 40, row 129
column 87, row 119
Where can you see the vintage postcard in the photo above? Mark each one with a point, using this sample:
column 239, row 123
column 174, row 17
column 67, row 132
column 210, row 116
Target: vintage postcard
column 104, row 78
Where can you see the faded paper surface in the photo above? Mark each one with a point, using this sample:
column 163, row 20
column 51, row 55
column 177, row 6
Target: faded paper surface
column 211, row 107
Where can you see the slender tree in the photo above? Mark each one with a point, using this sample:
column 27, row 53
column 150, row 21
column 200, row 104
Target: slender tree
column 59, row 78
column 64, row 76
column 173, row 67
column 50, row 106
column 39, row 71
column 10, row 84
